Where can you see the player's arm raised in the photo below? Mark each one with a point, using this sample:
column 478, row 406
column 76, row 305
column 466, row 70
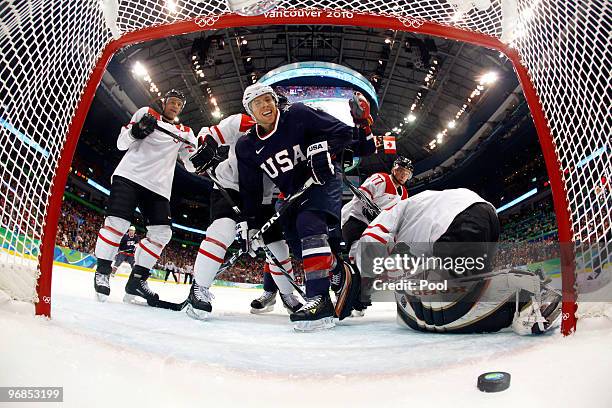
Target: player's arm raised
column 365, row 144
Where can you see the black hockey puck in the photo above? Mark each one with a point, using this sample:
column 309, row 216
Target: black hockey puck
column 493, row 382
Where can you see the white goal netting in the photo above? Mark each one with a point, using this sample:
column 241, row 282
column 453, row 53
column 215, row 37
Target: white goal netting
column 50, row 48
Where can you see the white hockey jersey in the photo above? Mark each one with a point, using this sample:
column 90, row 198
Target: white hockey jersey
column 420, row 220
column 227, row 133
column 150, row 162
column 380, row 189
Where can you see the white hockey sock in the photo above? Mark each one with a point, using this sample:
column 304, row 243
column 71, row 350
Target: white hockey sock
column 280, row 249
column 150, row 248
column 110, row 236
column 219, row 236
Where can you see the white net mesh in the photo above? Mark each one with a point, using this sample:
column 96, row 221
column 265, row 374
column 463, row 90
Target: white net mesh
column 50, row 48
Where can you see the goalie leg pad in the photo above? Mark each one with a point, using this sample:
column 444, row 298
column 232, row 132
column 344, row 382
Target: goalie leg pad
column 110, row 236
column 349, row 292
column 150, row 248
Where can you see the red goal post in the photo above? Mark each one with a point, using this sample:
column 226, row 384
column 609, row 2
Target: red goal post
column 540, row 33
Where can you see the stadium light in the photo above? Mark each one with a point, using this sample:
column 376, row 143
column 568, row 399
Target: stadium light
column 488, row 78
column 411, row 117
column 171, row 6
column 452, row 124
column 139, row 69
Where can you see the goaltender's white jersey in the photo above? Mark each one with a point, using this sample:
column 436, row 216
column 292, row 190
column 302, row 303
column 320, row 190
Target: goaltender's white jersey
column 421, row 219
column 150, row 162
column 380, row 189
column 227, row 132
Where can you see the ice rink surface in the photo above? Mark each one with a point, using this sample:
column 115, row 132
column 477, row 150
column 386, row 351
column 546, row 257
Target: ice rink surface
column 115, row 354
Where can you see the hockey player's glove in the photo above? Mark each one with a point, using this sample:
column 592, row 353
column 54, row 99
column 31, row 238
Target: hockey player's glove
column 144, row 127
column 205, row 156
column 369, row 213
column 320, row 162
column 360, row 112
column 247, row 243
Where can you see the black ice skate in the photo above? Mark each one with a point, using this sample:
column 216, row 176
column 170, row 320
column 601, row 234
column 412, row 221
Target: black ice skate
column 198, row 303
column 291, row 302
column 137, row 286
column 316, row 314
column 263, row 304
column 101, row 280
column 337, row 278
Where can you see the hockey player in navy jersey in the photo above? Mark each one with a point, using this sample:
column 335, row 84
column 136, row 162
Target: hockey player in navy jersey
column 221, row 233
column 290, row 146
column 143, row 179
column 127, row 248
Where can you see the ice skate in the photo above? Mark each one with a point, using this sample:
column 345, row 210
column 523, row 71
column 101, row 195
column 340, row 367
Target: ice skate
column 264, row 304
column 101, row 280
column 101, row 286
column 199, row 304
column 137, row 286
column 291, row 302
column 316, row 314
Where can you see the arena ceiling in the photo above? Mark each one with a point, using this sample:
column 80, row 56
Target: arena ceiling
column 396, row 63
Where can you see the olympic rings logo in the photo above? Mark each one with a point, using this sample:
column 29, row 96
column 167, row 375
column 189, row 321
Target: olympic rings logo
column 410, row 22
column 207, row 21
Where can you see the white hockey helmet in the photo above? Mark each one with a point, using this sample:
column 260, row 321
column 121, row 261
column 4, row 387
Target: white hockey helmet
column 255, row 91
column 132, row 228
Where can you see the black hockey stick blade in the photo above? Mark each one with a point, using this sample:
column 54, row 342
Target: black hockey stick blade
column 162, row 304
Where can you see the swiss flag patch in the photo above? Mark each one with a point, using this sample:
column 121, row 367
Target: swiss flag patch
column 389, row 144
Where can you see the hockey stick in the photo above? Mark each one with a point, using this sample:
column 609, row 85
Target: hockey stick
column 265, row 248
column 288, row 201
column 222, row 190
column 358, row 193
column 162, row 304
column 174, row 136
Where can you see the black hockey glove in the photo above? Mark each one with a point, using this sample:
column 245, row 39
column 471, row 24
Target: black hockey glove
column 205, row 156
column 369, row 213
column 144, row 127
column 320, row 162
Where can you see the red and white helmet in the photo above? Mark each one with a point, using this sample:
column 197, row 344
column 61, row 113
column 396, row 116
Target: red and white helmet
column 255, row 91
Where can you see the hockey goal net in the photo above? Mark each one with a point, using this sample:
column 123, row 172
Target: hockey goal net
column 53, row 54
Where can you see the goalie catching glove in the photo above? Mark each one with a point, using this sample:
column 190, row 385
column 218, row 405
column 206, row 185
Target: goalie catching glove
column 319, row 161
column 247, row 243
column 144, row 127
column 206, row 155
column 360, row 112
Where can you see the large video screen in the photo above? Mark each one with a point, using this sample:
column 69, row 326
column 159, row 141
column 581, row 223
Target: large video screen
column 333, row 100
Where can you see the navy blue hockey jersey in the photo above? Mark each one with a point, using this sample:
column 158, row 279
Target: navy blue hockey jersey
column 281, row 154
column 128, row 244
